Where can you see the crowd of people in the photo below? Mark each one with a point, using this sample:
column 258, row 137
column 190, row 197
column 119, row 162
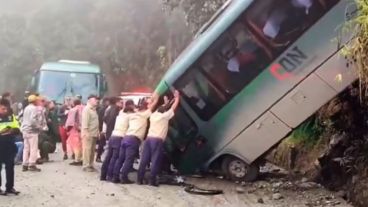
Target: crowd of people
column 30, row 135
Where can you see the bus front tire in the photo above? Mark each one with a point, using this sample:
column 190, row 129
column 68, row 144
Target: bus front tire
column 237, row 170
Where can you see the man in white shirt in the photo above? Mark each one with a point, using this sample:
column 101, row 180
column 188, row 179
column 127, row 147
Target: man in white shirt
column 153, row 146
column 121, row 126
column 135, row 134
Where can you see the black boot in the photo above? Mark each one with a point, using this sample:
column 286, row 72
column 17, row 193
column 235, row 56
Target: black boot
column 115, row 180
column 12, row 191
column 34, row 169
column 127, row 181
column 24, row 168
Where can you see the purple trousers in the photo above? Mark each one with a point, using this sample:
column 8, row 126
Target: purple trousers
column 111, row 157
column 152, row 152
column 129, row 150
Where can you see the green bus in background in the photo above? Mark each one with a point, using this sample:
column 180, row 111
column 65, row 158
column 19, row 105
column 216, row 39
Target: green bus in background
column 253, row 73
column 63, row 79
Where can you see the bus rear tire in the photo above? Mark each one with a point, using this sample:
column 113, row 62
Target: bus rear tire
column 236, row 169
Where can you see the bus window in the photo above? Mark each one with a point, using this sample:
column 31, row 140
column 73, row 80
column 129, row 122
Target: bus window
column 281, row 22
column 182, row 131
column 235, row 59
column 200, row 93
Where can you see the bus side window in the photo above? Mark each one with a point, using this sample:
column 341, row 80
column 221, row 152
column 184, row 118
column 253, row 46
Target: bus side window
column 281, row 22
column 202, row 95
column 235, row 59
column 182, row 130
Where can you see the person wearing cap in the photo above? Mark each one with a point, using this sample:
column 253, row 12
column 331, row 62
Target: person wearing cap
column 9, row 128
column 129, row 149
column 121, row 126
column 32, row 125
column 89, row 132
column 153, row 145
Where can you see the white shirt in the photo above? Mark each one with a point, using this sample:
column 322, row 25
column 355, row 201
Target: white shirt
column 138, row 124
column 159, row 124
column 121, row 125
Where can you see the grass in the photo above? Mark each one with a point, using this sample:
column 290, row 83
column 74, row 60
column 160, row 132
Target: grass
column 308, row 133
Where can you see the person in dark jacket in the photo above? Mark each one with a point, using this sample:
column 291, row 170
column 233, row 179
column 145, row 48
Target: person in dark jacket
column 109, row 120
column 48, row 139
column 101, row 142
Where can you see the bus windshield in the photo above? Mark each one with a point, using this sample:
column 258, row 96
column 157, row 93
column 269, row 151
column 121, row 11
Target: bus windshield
column 58, row 85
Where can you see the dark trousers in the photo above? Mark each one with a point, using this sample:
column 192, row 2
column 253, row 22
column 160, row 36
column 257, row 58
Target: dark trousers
column 101, row 145
column 111, row 157
column 46, row 147
column 7, row 159
column 129, row 150
column 152, row 152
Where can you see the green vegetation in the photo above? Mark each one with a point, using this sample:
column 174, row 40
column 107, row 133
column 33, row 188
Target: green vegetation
column 308, row 133
column 356, row 50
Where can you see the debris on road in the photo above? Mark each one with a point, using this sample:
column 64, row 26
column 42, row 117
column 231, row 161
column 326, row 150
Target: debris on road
column 240, row 190
column 277, row 196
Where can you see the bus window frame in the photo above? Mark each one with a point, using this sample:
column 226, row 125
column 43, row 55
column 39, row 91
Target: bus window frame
column 276, row 52
column 200, row 112
column 183, row 110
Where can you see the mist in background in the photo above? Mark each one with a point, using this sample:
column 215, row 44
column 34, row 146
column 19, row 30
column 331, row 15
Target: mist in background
column 134, row 42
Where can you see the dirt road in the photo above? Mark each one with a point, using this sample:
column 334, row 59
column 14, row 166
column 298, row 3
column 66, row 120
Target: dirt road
column 60, row 185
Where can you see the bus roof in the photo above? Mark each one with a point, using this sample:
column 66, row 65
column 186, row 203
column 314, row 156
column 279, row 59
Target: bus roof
column 76, row 67
column 204, row 40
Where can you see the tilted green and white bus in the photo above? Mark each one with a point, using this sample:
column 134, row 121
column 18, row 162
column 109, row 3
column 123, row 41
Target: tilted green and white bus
column 255, row 72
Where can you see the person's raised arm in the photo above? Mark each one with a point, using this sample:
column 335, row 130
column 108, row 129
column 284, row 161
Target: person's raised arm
column 176, row 100
column 154, row 101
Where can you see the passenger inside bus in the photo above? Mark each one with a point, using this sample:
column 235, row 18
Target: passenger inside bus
column 201, row 93
column 235, row 59
column 282, row 21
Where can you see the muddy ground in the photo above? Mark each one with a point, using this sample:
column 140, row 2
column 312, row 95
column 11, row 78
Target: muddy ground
column 62, row 185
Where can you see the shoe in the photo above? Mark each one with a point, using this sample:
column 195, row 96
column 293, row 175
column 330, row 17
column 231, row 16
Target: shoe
column 65, row 157
column 126, row 181
column 99, row 160
column 153, row 183
column 42, row 161
column 12, row 191
column 139, row 182
column 73, row 156
column 89, row 169
column 115, row 180
column 34, row 169
column 39, row 162
column 79, row 163
column 2, row 192
column 24, row 168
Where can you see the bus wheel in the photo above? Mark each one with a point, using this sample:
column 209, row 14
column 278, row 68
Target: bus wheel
column 237, row 170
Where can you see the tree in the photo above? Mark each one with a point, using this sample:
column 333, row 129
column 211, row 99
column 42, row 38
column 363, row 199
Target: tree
column 133, row 41
column 197, row 12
